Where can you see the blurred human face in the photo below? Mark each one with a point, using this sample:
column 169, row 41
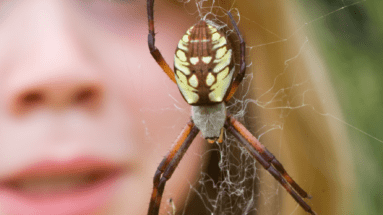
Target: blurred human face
column 86, row 114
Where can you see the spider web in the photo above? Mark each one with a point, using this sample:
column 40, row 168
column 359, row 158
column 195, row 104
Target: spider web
column 234, row 186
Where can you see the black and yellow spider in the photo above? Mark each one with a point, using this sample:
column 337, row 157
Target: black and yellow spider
column 203, row 70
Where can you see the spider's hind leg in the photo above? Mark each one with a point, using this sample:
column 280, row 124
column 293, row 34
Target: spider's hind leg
column 268, row 161
column 168, row 165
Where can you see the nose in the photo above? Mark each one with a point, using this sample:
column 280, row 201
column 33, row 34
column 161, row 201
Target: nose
column 54, row 90
column 51, row 63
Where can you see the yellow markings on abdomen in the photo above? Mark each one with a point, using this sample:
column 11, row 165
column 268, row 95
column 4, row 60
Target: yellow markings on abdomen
column 220, row 52
column 220, row 87
column 182, row 66
column 187, row 91
column 212, row 29
column 197, row 41
column 182, row 78
column 222, row 74
column 181, row 55
column 189, row 30
column 182, row 45
column 193, row 81
column 210, row 79
column 194, row 60
column 220, row 42
column 222, row 62
column 185, row 38
column 215, row 37
column 207, row 59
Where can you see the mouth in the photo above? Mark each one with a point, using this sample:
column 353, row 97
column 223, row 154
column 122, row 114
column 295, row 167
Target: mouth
column 55, row 185
column 80, row 186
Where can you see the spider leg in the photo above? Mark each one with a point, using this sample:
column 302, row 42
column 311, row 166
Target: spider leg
column 267, row 155
column 238, row 79
column 170, row 162
column 268, row 161
column 153, row 49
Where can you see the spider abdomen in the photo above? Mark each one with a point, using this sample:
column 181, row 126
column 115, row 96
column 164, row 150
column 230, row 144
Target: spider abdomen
column 203, row 65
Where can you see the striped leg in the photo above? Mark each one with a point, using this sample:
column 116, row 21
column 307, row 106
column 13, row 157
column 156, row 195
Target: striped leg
column 268, row 161
column 238, row 79
column 170, row 162
column 151, row 41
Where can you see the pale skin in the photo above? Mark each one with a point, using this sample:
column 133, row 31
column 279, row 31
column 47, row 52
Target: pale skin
column 77, row 78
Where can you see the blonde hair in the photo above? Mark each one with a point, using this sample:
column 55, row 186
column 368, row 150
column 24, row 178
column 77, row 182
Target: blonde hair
column 313, row 146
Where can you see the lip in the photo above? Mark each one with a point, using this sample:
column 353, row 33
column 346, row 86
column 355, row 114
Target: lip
column 102, row 180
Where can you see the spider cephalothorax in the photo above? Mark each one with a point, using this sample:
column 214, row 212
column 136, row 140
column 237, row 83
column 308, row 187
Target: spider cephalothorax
column 204, row 72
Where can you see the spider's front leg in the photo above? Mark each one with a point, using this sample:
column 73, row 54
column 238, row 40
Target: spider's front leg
column 170, row 162
column 242, row 69
column 151, row 43
column 268, row 161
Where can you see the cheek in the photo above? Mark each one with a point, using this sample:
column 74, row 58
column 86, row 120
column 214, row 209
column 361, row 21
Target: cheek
column 135, row 196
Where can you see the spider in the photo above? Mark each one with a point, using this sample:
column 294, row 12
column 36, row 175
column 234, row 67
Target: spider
column 203, row 70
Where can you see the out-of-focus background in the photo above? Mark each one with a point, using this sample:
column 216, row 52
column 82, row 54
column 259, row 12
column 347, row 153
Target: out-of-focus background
column 347, row 39
column 350, row 40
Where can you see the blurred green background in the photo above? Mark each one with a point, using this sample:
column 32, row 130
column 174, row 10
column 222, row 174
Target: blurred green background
column 351, row 41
